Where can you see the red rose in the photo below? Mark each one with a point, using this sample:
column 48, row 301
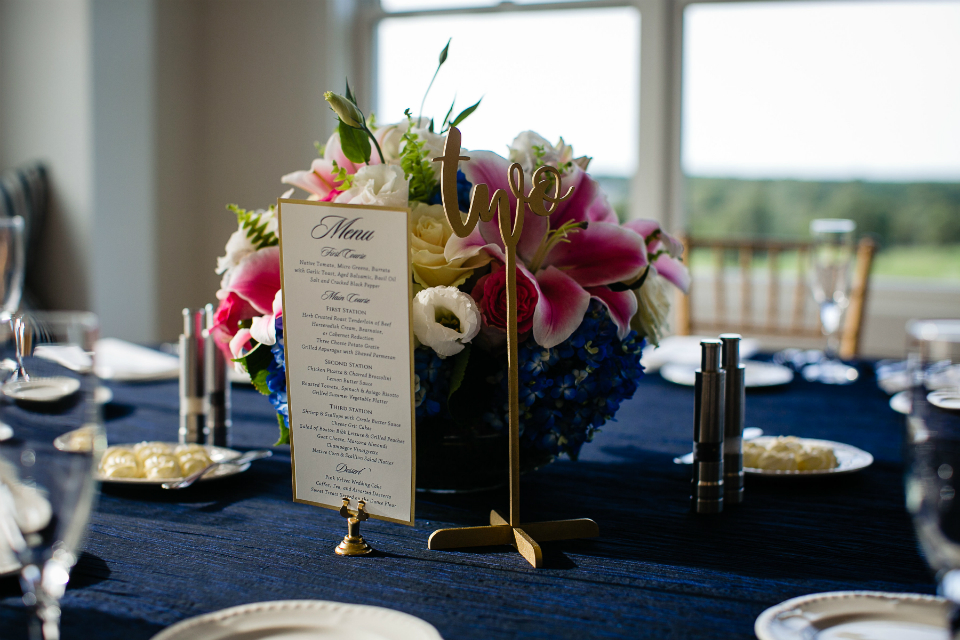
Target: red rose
column 226, row 321
column 490, row 293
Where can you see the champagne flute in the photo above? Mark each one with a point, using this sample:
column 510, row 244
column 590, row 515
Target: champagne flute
column 933, row 451
column 47, row 486
column 831, row 257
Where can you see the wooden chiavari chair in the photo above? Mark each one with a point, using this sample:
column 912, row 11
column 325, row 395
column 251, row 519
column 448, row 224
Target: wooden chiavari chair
column 774, row 320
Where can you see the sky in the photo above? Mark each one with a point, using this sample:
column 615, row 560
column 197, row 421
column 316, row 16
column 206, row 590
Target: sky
column 805, row 90
column 530, row 76
column 823, row 91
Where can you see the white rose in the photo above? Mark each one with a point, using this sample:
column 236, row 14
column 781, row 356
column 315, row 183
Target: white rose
column 379, row 184
column 445, row 319
column 653, row 307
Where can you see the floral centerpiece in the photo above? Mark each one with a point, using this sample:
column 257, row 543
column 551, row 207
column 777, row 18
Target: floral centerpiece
column 590, row 290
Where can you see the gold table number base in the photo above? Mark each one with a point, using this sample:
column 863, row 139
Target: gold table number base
column 524, row 538
column 353, row 543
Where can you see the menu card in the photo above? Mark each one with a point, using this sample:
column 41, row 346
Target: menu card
column 349, row 355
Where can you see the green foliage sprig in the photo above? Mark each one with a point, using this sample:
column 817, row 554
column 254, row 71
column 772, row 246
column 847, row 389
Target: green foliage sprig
column 416, row 164
column 256, row 230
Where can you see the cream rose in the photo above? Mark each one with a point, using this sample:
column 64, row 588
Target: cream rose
column 445, row 319
column 379, row 184
column 429, row 234
column 653, row 307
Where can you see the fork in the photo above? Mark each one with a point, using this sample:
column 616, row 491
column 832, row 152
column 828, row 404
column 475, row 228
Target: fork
column 249, row 456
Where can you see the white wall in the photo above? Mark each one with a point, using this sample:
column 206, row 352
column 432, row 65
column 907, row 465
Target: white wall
column 152, row 116
column 45, row 113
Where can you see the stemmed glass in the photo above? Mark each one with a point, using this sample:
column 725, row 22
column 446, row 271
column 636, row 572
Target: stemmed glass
column 933, row 451
column 11, row 266
column 831, row 258
column 47, row 486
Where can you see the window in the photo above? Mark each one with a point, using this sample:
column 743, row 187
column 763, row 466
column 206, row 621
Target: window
column 560, row 71
column 798, row 110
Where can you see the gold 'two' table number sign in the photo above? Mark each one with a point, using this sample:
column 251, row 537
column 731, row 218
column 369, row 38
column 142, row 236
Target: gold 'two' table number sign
column 524, row 537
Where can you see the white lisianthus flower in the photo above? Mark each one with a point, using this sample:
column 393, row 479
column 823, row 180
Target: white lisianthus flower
column 445, row 319
column 239, row 245
column 390, row 137
column 380, row 184
column 531, row 150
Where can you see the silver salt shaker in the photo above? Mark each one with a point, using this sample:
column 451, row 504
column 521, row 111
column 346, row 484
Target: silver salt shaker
column 216, row 399
column 734, row 399
column 193, row 421
column 708, row 415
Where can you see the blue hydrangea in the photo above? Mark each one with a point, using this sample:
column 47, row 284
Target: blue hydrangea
column 277, row 377
column 463, row 193
column 567, row 393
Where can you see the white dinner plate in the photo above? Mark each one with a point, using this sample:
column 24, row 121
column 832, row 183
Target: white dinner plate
column 686, row 350
column 756, row 374
column 216, row 454
column 900, row 402
column 863, row 615
column 301, row 620
column 849, row 460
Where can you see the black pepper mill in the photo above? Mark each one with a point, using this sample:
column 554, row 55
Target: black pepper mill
column 734, row 399
column 708, row 415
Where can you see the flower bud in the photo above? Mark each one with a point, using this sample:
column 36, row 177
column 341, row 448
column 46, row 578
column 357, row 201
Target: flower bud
column 345, row 110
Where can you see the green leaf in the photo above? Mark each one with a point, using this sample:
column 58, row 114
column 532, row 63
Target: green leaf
column 256, row 362
column 284, row 432
column 319, row 147
column 354, row 143
column 352, row 98
column 465, row 113
column 443, row 54
column 459, row 369
column 259, row 382
column 446, row 118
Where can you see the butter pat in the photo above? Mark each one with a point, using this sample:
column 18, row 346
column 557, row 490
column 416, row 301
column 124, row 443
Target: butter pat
column 788, row 453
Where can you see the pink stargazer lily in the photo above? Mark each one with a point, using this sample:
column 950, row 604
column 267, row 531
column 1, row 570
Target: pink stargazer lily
column 664, row 252
column 569, row 257
column 257, row 281
column 321, row 180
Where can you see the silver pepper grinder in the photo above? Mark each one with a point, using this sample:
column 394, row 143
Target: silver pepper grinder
column 193, row 422
column 735, row 402
column 708, row 415
column 216, row 399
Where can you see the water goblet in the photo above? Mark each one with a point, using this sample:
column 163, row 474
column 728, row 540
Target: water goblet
column 47, row 487
column 933, row 451
column 831, row 259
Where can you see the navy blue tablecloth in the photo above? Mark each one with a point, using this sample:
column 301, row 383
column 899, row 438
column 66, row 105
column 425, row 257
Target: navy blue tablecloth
column 153, row 558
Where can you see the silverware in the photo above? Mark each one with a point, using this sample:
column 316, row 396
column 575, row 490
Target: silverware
column 249, row 456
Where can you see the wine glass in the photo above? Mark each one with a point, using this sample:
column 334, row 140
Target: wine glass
column 831, row 258
column 11, row 266
column 933, row 451
column 47, row 486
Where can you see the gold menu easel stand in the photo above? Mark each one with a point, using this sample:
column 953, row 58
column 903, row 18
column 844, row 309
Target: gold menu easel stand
column 353, row 543
column 524, row 537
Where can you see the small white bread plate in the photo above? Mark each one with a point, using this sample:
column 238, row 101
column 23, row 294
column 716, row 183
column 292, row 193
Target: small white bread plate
column 864, row 615
column 216, row 454
column 948, row 399
column 900, row 402
column 756, row 374
column 41, row 389
column 301, row 620
column 849, row 460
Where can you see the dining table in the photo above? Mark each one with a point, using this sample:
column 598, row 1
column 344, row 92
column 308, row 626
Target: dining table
column 153, row 557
